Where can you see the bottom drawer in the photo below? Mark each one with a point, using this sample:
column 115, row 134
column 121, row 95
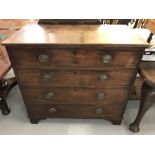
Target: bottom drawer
column 75, row 111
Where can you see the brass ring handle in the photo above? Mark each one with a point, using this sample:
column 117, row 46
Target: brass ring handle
column 52, row 110
column 103, row 77
column 47, row 77
column 106, row 59
column 100, row 96
column 43, row 58
column 98, row 110
column 49, row 95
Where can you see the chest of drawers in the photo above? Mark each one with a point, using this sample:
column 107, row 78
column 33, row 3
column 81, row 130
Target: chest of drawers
column 80, row 71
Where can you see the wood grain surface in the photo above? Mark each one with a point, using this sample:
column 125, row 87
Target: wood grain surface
column 60, row 69
column 111, row 35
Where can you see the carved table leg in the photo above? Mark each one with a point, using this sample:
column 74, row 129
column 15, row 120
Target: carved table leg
column 4, row 107
column 147, row 100
column 3, row 104
column 5, row 87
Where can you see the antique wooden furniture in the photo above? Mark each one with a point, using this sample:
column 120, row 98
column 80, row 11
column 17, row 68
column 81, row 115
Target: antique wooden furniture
column 75, row 71
column 15, row 24
column 150, row 24
column 5, row 84
column 147, row 73
column 135, row 92
column 7, row 27
column 71, row 21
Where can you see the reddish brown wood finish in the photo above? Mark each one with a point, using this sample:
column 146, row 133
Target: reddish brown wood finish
column 111, row 112
column 75, row 78
column 135, row 93
column 73, row 58
column 59, row 69
column 150, row 24
column 77, row 35
column 147, row 73
column 5, row 65
column 75, row 95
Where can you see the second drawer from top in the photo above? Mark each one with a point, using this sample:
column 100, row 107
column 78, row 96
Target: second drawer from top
column 74, row 78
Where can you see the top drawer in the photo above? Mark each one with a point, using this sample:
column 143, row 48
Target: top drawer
column 48, row 58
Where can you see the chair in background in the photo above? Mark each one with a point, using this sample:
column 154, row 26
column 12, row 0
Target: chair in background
column 147, row 73
column 5, row 83
column 7, row 80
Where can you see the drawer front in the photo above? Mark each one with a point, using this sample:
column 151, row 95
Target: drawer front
column 75, row 96
column 48, row 58
column 91, row 79
column 76, row 111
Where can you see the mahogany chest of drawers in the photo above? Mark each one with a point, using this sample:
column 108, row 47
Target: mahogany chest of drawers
column 75, row 71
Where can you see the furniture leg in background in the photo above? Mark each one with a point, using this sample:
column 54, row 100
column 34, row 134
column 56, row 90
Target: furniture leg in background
column 147, row 100
column 147, row 73
column 5, row 86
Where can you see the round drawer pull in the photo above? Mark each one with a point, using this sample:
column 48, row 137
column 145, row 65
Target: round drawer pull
column 103, row 77
column 100, row 96
column 52, row 110
column 47, row 77
column 106, row 59
column 98, row 110
column 43, row 58
column 49, row 95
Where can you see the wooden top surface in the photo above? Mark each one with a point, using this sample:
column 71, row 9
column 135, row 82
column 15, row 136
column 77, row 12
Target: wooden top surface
column 116, row 35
